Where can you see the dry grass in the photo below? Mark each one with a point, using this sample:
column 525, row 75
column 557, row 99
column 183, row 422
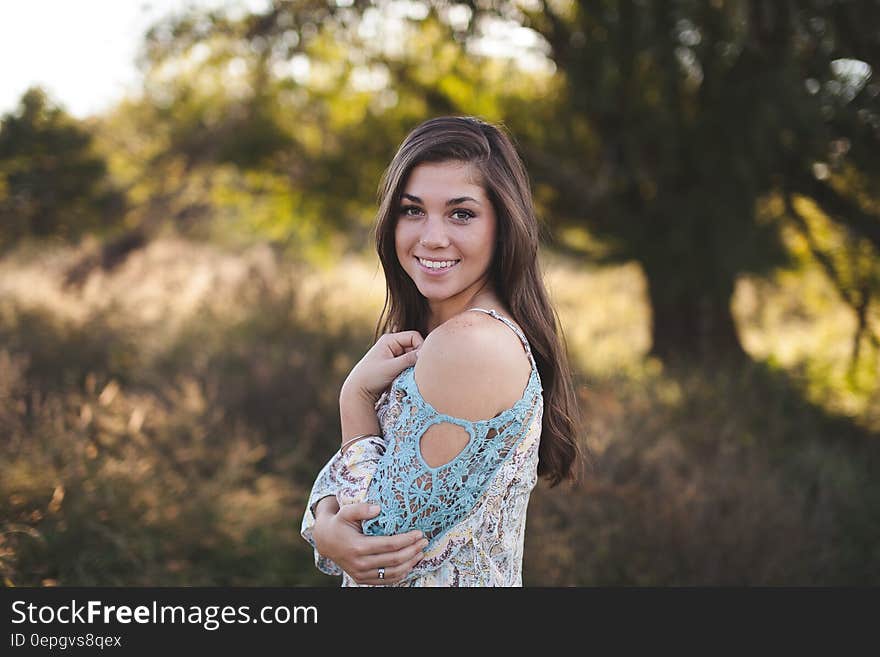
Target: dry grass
column 162, row 425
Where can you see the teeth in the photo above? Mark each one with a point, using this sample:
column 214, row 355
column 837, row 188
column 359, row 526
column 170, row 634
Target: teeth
column 438, row 265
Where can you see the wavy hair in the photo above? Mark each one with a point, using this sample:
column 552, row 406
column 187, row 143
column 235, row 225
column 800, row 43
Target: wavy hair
column 514, row 269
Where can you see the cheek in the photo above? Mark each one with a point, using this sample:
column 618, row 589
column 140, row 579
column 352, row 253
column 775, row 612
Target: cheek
column 402, row 245
column 487, row 244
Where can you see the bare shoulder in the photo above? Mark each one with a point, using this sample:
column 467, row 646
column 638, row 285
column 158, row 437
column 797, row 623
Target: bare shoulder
column 472, row 367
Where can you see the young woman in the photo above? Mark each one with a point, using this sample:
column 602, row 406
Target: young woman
column 466, row 396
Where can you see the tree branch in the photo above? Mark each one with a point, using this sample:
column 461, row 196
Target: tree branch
column 843, row 210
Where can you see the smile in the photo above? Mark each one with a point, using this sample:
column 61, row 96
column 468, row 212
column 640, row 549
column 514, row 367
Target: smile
column 437, row 270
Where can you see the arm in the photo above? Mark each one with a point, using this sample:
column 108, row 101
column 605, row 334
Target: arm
column 323, row 493
column 357, row 413
column 380, row 366
column 335, row 533
column 338, row 537
column 469, row 371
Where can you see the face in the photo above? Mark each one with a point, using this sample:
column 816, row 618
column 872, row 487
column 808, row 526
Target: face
column 445, row 217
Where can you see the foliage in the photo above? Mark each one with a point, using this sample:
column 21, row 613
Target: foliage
column 52, row 184
column 661, row 130
column 175, row 439
column 163, row 425
column 334, row 111
column 710, row 169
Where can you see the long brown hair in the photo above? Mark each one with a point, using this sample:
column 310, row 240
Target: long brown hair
column 514, row 269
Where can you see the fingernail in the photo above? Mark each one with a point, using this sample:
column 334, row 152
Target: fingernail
column 374, row 508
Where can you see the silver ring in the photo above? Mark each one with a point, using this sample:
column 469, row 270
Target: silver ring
column 381, row 573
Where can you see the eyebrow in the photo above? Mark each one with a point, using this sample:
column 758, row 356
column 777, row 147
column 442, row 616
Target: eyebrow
column 452, row 201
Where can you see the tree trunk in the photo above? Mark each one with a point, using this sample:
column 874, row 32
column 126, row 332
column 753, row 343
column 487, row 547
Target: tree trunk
column 692, row 320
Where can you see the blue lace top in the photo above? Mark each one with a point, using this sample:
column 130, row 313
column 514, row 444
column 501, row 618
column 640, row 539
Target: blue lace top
column 472, row 509
column 414, row 495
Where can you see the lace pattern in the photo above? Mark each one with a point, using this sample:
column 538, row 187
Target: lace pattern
column 413, row 495
column 472, row 509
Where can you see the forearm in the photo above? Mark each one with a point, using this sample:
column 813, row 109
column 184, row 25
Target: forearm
column 357, row 414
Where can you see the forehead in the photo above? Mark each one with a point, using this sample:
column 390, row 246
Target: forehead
column 444, row 179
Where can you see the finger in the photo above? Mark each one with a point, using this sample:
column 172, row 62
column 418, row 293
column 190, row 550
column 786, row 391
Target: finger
column 393, row 559
column 410, row 339
column 403, row 341
column 410, row 358
column 371, row 577
column 404, row 360
column 398, row 573
column 416, row 339
column 361, row 511
column 392, row 576
column 382, row 545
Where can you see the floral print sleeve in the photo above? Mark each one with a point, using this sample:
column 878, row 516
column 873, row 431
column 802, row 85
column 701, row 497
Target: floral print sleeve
column 347, row 476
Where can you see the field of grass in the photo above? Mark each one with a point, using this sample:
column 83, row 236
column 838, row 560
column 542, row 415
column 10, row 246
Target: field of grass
column 161, row 424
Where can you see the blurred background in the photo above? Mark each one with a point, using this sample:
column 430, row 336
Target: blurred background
column 186, row 275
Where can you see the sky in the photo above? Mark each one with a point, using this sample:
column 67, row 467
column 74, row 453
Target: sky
column 81, row 51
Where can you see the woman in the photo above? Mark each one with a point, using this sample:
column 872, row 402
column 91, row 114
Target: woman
column 445, row 435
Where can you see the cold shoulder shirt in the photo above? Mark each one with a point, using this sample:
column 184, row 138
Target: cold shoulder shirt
column 472, row 509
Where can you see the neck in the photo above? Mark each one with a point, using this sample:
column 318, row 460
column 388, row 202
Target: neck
column 441, row 311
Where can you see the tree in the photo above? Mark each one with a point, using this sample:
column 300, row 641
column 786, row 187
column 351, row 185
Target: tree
column 693, row 114
column 51, row 182
column 328, row 137
column 671, row 124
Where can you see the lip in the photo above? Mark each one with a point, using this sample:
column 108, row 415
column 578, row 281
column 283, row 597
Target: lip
column 434, row 272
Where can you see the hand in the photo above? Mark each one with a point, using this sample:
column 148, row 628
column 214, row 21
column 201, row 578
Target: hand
column 392, row 353
column 338, row 536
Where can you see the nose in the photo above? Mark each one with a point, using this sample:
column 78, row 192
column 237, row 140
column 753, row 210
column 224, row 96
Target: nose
column 434, row 234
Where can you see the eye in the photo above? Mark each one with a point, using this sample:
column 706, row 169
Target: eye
column 468, row 215
column 404, row 210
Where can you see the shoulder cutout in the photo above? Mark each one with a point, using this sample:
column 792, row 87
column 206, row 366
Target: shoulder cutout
column 472, row 367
